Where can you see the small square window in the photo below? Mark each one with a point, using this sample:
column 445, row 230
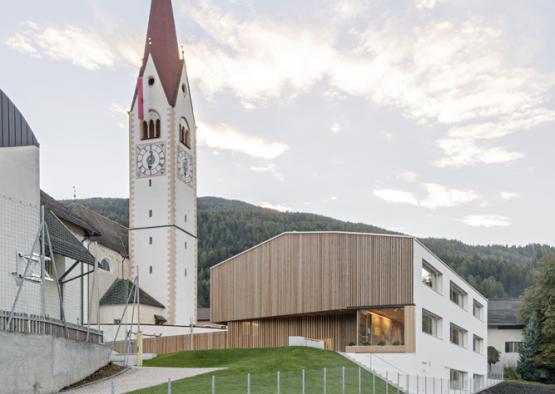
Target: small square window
column 477, row 310
column 185, row 218
column 185, row 271
column 150, row 269
column 477, row 344
column 185, row 245
column 150, row 240
column 430, row 276
column 457, row 295
column 117, row 321
column 150, row 213
column 150, row 183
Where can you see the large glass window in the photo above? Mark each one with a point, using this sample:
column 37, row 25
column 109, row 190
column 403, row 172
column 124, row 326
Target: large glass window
column 431, row 324
column 430, row 276
column 380, row 327
column 477, row 344
column 456, row 379
column 457, row 295
column 457, row 335
column 512, row 347
column 477, row 310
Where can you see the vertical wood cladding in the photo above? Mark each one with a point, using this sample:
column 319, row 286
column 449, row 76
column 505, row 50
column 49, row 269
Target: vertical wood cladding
column 337, row 331
column 301, row 273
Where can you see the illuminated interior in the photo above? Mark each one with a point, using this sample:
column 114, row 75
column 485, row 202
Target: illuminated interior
column 381, row 327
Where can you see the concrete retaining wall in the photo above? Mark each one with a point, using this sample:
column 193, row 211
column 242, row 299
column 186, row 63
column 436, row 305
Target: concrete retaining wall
column 29, row 363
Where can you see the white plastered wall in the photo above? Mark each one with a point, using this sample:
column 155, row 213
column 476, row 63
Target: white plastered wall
column 497, row 338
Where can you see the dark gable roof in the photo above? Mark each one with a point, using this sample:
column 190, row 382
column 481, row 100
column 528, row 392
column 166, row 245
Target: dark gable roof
column 62, row 212
column 118, row 294
column 64, row 242
column 108, row 233
column 504, row 312
column 14, row 129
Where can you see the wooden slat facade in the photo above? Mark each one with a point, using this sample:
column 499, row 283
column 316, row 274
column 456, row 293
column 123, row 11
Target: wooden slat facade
column 177, row 343
column 307, row 273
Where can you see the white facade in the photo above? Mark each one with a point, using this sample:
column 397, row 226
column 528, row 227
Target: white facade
column 504, row 340
column 436, row 357
column 162, row 207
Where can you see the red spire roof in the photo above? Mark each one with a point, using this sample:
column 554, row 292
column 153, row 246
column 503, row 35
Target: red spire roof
column 161, row 43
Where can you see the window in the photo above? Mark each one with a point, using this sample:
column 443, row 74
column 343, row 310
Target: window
column 380, row 327
column 150, row 240
column 150, row 269
column 185, row 271
column 457, row 335
column 105, row 265
column 457, row 295
column 184, row 89
column 431, row 323
column 478, row 382
column 151, row 81
column 150, row 213
column 430, row 276
column 477, row 310
column 184, row 132
column 512, row 347
column 457, row 379
column 185, row 218
column 117, row 321
column 477, row 344
column 151, row 127
column 150, row 183
column 185, row 245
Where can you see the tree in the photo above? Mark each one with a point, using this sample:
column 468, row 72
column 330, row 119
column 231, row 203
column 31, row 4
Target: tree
column 526, row 366
column 538, row 311
column 493, row 356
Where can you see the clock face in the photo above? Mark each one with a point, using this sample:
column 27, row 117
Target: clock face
column 151, row 160
column 185, row 167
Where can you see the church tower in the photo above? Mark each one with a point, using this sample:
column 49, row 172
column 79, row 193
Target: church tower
column 162, row 174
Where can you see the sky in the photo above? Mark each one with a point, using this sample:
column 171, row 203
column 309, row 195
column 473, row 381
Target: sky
column 428, row 117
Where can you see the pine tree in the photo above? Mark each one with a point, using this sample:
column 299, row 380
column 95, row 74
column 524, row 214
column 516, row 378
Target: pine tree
column 529, row 349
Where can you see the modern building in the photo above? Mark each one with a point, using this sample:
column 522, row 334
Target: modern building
column 162, row 176
column 385, row 300
column 505, row 330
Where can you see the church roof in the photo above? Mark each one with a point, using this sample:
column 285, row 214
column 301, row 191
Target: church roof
column 119, row 292
column 64, row 213
column 108, row 233
column 504, row 312
column 161, row 44
column 14, row 129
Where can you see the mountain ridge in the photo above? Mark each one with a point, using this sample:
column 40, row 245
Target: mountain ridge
column 227, row 227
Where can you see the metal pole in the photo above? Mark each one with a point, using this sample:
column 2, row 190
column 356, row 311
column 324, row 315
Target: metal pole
column 278, row 383
column 302, row 382
column 418, row 383
column 441, row 385
column 249, row 383
column 386, row 382
column 408, row 383
column 373, row 382
column 398, row 382
column 169, row 386
column 359, row 381
column 343, row 380
column 426, row 384
column 213, row 384
column 325, row 383
column 113, row 388
column 42, row 266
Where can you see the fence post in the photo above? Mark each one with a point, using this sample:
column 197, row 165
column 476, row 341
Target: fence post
column 302, row 382
column 169, row 386
column 418, row 384
column 343, row 380
column 325, row 382
column 278, row 383
column 359, row 381
column 398, row 382
column 113, row 388
column 426, row 384
column 441, row 385
column 213, row 384
column 373, row 382
column 249, row 383
column 386, row 382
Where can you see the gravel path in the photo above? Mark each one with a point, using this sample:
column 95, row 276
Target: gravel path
column 139, row 378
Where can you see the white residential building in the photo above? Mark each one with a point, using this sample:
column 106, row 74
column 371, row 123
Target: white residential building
column 505, row 331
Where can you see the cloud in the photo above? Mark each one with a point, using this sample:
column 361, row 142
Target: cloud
column 80, row 46
column 508, row 195
column 120, row 113
column 436, row 196
column 276, row 207
column 408, row 176
column 335, row 128
column 396, row 196
column 269, row 169
column 455, row 76
column 486, row 221
column 221, row 136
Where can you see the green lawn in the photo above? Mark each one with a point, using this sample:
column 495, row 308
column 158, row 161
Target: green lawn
column 263, row 365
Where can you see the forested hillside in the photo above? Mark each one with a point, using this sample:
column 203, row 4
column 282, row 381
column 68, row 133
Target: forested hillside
column 227, row 227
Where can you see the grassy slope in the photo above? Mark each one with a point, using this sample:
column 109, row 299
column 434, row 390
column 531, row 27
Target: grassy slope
column 263, row 364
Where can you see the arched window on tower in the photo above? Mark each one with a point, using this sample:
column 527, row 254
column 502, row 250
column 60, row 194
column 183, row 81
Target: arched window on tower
column 184, row 133
column 151, row 127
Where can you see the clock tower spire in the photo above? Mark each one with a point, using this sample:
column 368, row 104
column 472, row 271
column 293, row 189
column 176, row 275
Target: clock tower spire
column 162, row 176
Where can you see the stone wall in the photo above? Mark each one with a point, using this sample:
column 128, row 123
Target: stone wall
column 29, row 363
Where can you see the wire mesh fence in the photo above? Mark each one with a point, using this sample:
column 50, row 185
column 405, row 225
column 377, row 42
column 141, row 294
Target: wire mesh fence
column 330, row 381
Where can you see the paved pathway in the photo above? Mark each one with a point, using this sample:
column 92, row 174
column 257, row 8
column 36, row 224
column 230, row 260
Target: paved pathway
column 138, row 378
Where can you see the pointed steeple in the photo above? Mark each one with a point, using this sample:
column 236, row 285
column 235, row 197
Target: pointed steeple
column 161, row 44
